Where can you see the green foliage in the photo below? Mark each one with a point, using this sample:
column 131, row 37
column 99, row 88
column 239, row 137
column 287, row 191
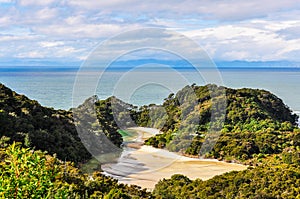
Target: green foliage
column 116, row 194
column 176, row 187
column 272, row 179
column 258, row 129
column 33, row 174
column 26, row 121
column 109, row 114
column 29, row 174
column 256, row 122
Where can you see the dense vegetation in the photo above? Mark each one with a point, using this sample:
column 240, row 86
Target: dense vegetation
column 277, row 176
column 26, row 121
column 258, row 130
column 256, row 123
column 26, row 173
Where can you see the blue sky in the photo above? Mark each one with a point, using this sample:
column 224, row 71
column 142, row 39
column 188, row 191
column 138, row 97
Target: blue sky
column 67, row 31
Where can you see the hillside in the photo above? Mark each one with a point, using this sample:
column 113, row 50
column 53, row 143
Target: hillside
column 255, row 122
column 26, row 121
column 259, row 129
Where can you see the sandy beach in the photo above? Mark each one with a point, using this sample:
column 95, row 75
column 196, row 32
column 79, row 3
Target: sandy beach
column 145, row 165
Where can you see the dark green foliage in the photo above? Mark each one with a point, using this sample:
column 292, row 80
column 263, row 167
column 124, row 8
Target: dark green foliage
column 176, row 187
column 26, row 121
column 97, row 128
column 113, row 114
column 258, row 129
column 256, row 119
column 256, row 122
column 272, row 179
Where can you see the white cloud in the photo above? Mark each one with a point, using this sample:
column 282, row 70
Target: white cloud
column 251, row 30
column 31, row 54
column 236, row 55
column 4, row 21
column 47, row 44
column 117, row 4
column 82, row 30
column 16, row 38
column 36, row 16
column 6, row 1
column 69, row 49
column 75, row 20
column 47, row 13
column 291, row 33
column 238, row 42
column 36, row 2
column 216, row 10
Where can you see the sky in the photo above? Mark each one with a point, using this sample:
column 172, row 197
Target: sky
column 69, row 30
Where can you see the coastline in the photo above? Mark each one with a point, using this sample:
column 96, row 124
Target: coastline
column 148, row 132
column 145, row 165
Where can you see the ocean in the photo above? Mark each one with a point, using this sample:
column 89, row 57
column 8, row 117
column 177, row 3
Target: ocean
column 54, row 87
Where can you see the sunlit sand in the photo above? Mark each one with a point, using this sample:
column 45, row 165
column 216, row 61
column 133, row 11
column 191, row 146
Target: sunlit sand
column 145, row 166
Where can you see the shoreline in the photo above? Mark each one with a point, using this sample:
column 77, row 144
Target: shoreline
column 153, row 131
column 145, row 165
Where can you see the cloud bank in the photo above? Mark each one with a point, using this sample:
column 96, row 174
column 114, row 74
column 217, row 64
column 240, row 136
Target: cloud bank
column 255, row 30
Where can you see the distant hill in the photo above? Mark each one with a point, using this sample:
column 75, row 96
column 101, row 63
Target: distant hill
column 48, row 64
column 257, row 64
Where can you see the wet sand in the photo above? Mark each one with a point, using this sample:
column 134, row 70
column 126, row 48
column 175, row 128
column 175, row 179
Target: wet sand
column 145, row 166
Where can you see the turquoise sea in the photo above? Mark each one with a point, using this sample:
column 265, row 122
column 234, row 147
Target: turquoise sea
column 54, row 87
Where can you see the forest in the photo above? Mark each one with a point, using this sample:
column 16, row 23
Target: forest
column 256, row 123
column 41, row 151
